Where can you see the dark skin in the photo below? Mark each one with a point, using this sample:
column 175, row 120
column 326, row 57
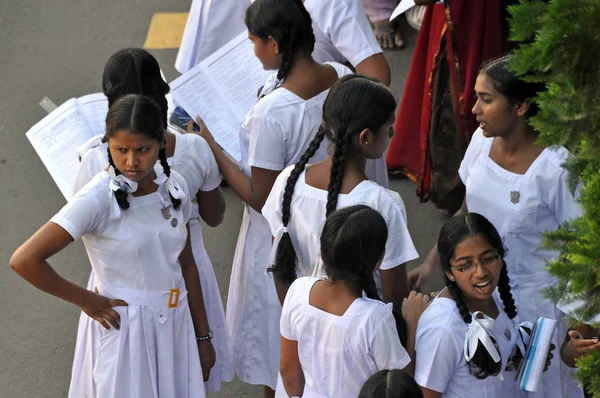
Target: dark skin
column 579, row 342
column 30, row 259
column 211, row 204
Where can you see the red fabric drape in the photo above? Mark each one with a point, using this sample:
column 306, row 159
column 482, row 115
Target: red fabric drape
column 472, row 31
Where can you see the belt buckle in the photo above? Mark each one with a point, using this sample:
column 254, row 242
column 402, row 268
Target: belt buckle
column 173, row 298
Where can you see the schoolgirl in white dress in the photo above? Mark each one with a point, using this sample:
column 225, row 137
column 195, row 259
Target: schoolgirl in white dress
column 468, row 334
column 147, row 321
column 134, row 70
column 522, row 188
column 274, row 135
column 332, row 338
column 357, row 118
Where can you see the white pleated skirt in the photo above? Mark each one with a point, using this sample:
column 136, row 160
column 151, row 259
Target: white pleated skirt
column 154, row 354
column 253, row 308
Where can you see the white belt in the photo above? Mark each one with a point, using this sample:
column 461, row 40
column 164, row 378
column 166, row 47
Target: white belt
column 148, row 298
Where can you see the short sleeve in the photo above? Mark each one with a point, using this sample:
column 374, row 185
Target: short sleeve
column 399, row 247
column 93, row 162
column 266, row 147
column 83, row 214
column 272, row 210
column 472, row 150
column 211, row 174
column 385, row 347
column 562, row 202
column 351, row 32
column 289, row 304
column 439, row 353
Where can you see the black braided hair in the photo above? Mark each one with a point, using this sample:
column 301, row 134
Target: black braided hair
column 393, row 383
column 288, row 23
column 120, row 194
column 346, row 111
column 162, row 156
column 135, row 71
column 136, row 114
column 352, row 244
column 456, row 230
column 285, row 258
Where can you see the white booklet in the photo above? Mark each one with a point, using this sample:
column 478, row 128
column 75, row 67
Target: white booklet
column 222, row 89
column 532, row 367
column 57, row 137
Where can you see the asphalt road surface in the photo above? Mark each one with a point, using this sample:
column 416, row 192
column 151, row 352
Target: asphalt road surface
column 58, row 50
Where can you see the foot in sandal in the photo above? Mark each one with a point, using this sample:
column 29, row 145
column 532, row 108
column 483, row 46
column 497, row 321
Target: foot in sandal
column 388, row 35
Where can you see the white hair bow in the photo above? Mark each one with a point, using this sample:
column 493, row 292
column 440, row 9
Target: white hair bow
column 167, row 186
column 479, row 332
column 523, row 333
column 118, row 182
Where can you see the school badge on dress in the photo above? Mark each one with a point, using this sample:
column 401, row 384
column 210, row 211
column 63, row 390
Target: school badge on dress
column 515, row 196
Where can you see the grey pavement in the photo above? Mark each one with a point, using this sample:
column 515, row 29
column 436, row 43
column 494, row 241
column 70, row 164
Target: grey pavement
column 58, row 49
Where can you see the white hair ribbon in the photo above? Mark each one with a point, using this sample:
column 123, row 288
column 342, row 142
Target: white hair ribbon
column 166, row 186
column 523, row 334
column 118, row 182
column 478, row 331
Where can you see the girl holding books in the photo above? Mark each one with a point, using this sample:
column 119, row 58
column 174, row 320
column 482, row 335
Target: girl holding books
column 468, row 334
column 274, row 135
column 523, row 189
column 148, row 334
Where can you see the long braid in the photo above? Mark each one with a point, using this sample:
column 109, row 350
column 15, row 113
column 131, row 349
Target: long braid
column 458, row 297
column 285, row 257
column 120, row 194
column 504, row 289
column 337, row 172
column 162, row 156
column 287, row 59
column 481, row 365
column 368, row 284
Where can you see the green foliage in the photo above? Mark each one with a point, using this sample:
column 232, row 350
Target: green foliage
column 561, row 48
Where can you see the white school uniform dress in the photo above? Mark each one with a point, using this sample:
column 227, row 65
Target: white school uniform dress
column 210, row 25
column 339, row 353
column 307, row 218
column 440, row 363
column 522, row 207
column 135, row 257
column 194, row 160
column 343, row 34
column 275, row 134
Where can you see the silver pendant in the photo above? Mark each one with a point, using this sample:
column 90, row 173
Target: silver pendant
column 515, row 196
column 166, row 213
column 174, row 222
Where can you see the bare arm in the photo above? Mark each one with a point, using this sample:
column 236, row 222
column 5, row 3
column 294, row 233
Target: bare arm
column 418, row 276
column 290, row 368
column 212, row 206
column 197, row 308
column 30, row 262
column 395, row 286
column 253, row 190
column 375, row 66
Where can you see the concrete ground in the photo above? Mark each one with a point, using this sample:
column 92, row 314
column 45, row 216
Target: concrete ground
column 59, row 50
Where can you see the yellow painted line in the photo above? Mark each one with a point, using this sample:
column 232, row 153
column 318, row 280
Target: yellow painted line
column 166, row 30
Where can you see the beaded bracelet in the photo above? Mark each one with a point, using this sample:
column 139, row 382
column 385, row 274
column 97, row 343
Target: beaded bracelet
column 209, row 336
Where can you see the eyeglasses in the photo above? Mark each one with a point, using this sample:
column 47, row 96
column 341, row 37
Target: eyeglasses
column 471, row 267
